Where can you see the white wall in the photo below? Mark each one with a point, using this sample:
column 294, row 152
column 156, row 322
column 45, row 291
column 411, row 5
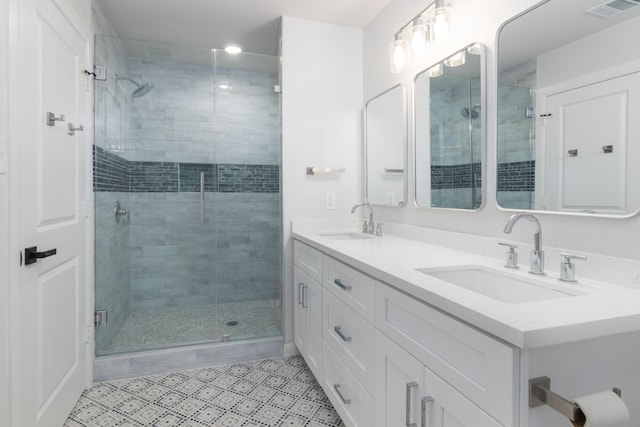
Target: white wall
column 322, row 122
column 476, row 21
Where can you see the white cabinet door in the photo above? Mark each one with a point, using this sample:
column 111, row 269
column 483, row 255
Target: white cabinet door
column 301, row 322
column 399, row 385
column 444, row 406
column 50, row 318
column 307, row 326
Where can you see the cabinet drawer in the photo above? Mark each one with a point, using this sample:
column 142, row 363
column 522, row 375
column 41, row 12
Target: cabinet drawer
column 480, row 367
column 351, row 337
column 355, row 289
column 351, row 400
column 308, row 259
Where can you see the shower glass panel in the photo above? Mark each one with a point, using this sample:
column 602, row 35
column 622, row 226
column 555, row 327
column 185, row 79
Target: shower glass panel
column 456, row 142
column 188, row 142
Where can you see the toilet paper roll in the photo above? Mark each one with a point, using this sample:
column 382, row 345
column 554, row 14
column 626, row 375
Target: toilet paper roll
column 604, row 409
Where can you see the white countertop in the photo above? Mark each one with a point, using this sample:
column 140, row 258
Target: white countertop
column 604, row 309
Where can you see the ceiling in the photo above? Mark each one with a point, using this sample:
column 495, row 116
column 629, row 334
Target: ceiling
column 212, row 23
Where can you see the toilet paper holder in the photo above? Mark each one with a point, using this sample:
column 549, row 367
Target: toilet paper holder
column 540, row 394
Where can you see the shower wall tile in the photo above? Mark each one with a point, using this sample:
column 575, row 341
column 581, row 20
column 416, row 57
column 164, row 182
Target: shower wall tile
column 153, row 177
column 456, row 176
column 516, row 176
column 190, row 177
column 110, row 172
column 248, row 178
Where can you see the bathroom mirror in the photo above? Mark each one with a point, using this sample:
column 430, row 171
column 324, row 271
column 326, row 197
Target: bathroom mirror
column 450, row 131
column 568, row 108
column 386, row 148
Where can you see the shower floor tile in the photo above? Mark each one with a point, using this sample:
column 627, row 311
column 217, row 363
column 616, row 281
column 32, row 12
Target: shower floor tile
column 178, row 326
column 163, row 400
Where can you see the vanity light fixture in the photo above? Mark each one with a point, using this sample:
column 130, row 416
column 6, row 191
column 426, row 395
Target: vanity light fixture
column 430, row 25
column 456, row 59
column 475, row 49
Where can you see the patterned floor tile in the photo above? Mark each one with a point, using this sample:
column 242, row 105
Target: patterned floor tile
column 272, row 392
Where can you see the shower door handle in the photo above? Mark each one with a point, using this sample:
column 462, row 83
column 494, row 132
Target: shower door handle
column 202, row 197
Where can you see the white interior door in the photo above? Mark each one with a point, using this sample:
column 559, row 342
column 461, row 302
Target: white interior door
column 51, row 318
column 579, row 173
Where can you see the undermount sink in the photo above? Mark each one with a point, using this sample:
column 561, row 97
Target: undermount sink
column 499, row 285
column 347, row 235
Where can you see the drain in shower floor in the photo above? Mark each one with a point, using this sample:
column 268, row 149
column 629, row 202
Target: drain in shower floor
column 232, row 323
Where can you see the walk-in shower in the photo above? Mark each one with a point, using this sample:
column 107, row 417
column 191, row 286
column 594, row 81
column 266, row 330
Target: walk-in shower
column 187, row 197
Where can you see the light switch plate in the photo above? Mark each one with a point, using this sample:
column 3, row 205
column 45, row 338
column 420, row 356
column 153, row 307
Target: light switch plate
column 330, row 201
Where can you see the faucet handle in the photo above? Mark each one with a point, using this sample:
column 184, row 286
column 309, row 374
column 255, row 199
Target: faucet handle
column 567, row 268
column 511, row 260
column 379, row 229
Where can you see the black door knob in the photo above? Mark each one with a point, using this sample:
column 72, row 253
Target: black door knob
column 31, row 254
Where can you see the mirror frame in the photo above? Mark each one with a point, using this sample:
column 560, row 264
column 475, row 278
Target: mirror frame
column 495, row 171
column 483, row 133
column 405, row 179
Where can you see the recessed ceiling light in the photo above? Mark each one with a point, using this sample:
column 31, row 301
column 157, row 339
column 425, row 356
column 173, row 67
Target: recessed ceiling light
column 232, row 48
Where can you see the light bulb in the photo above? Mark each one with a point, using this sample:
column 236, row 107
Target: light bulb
column 418, row 37
column 436, row 70
column 456, row 59
column 398, row 54
column 440, row 19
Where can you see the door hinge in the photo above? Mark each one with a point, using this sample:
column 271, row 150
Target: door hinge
column 88, row 334
column 87, row 208
column 100, row 317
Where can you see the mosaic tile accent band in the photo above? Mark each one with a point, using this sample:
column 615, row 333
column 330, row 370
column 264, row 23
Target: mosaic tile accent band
column 456, row 176
column 517, row 176
column 115, row 174
column 513, row 176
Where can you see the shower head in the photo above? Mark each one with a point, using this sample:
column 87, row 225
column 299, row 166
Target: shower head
column 472, row 113
column 142, row 88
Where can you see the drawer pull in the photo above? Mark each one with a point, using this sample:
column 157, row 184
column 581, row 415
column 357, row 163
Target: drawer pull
column 338, row 330
column 300, row 295
column 410, row 386
column 342, row 285
column 305, row 297
column 425, row 401
column 336, row 387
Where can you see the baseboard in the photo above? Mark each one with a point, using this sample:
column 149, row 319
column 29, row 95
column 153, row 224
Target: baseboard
column 290, row 349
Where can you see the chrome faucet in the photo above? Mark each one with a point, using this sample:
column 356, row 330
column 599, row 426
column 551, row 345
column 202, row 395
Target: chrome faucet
column 537, row 254
column 370, row 227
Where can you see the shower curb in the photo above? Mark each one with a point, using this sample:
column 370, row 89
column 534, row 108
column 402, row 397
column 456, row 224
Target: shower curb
column 130, row 365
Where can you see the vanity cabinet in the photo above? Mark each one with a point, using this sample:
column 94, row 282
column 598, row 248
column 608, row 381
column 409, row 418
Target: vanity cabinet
column 410, row 394
column 389, row 360
column 307, row 293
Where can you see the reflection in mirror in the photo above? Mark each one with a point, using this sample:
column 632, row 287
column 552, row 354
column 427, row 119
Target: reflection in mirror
column 568, row 102
column 386, row 148
column 449, row 131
